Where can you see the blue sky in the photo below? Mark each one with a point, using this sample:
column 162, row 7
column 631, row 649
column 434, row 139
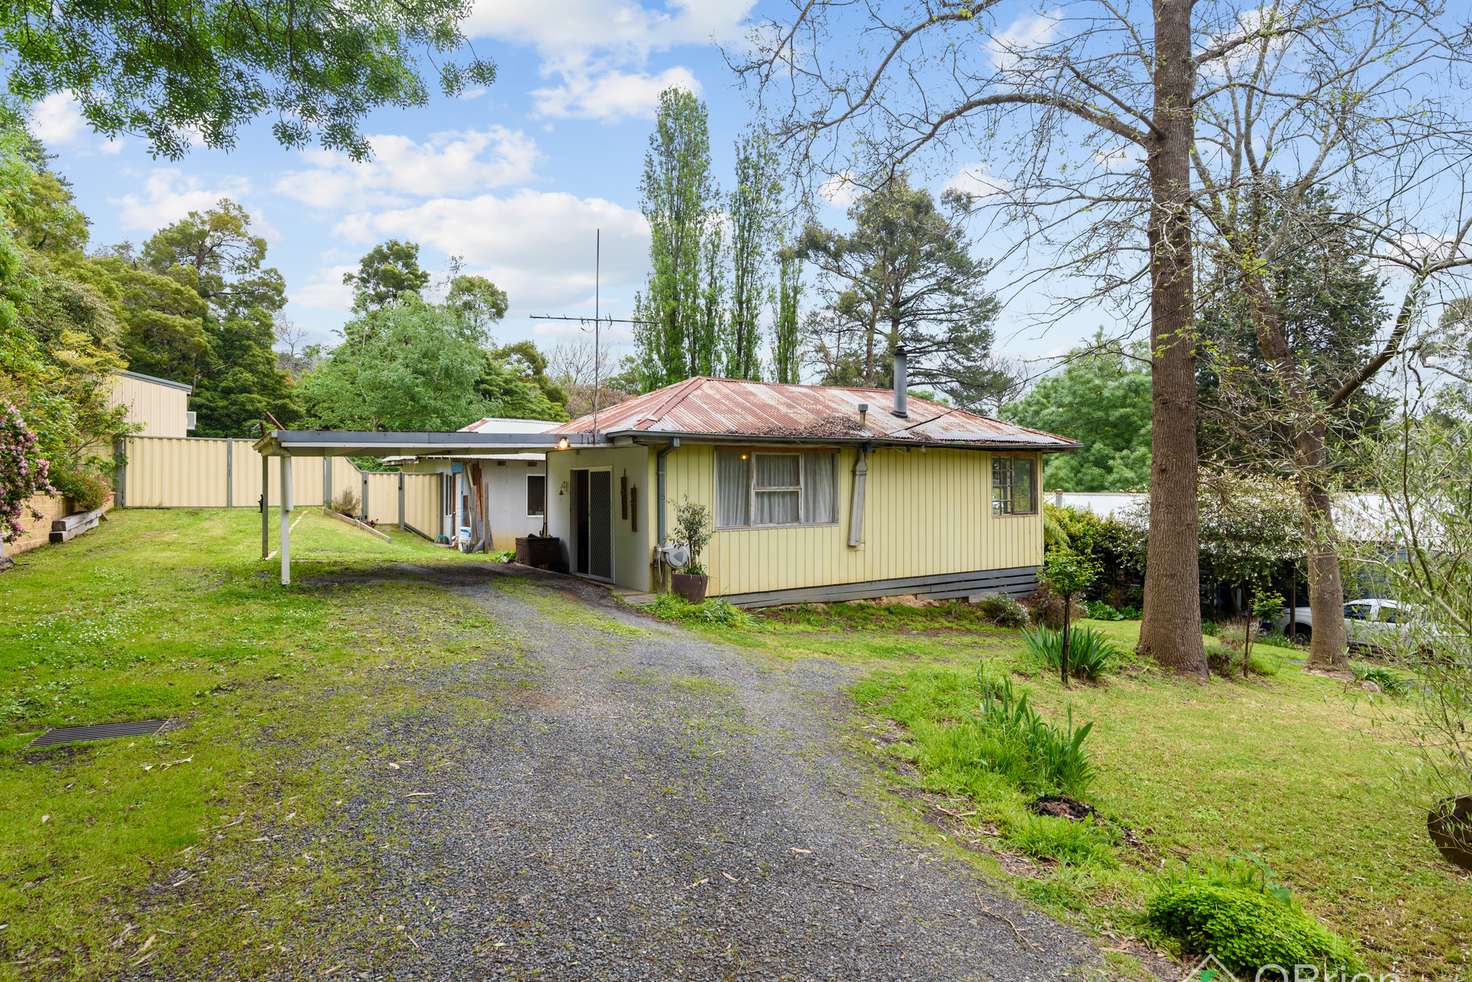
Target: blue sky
column 514, row 178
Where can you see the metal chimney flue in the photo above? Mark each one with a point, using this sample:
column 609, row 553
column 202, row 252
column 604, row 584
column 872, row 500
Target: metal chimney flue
column 863, row 415
column 901, row 382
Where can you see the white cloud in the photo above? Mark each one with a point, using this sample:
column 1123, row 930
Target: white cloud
column 977, row 181
column 168, row 194
column 57, row 119
column 596, row 50
column 113, row 146
column 601, row 25
column 326, row 290
column 1024, row 35
column 611, row 96
column 445, row 164
column 840, row 190
column 537, row 245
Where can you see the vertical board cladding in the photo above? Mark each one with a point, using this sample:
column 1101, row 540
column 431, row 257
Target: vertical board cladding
column 927, row 512
column 632, row 546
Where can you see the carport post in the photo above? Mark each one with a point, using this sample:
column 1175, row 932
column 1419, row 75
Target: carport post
column 401, row 499
column 286, row 520
column 265, row 507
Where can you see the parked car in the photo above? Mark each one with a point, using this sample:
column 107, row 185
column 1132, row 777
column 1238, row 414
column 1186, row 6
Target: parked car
column 1373, row 623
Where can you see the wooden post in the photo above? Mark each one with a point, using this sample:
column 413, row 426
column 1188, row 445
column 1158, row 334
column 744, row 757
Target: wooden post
column 286, row 521
column 265, row 507
column 120, row 478
column 401, row 499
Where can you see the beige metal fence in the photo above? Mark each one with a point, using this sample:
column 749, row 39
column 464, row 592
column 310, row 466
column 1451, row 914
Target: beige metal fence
column 206, row 472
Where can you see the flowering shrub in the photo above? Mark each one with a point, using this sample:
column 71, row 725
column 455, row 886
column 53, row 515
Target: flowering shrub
column 21, row 473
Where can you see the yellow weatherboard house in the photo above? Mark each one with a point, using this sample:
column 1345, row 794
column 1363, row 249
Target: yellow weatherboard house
column 815, row 492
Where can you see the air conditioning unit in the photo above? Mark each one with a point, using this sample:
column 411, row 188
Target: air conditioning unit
column 189, row 420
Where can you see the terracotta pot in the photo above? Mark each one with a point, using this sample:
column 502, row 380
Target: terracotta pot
column 1450, row 825
column 691, row 586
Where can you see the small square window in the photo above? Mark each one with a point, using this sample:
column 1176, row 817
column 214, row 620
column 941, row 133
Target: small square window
column 1014, row 485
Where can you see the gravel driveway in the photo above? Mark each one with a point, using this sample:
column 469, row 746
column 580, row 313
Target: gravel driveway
column 647, row 805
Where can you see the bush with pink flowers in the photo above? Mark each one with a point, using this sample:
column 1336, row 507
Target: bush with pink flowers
column 22, row 473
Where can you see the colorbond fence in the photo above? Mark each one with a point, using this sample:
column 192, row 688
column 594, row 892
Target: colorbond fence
column 206, row 472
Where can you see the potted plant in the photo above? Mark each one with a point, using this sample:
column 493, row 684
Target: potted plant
column 692, row 530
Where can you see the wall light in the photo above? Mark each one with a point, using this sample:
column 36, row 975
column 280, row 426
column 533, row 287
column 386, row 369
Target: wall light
column 562, row 444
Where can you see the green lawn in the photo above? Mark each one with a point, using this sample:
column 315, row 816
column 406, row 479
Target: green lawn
column 216, row 835
column 1298, row 769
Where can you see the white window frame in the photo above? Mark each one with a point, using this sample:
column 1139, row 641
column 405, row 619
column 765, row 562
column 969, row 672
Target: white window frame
column 752, row 491
column 528, row 497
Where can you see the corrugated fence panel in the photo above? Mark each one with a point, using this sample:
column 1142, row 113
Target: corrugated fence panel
column 383, row 498
column 175, row 472
column 422, row 502
column 205, row 472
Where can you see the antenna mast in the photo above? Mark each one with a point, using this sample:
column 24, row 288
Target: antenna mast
column 598, row 321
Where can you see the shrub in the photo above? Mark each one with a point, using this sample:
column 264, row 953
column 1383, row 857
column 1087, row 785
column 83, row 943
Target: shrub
column 85, row 489
column 1391, row 682
column 1090, row 654
column 1246, row 926
column 346, row 503
column 693, row 528
column 1046, row 608
column 1099, row 610
column 1002, row 610
column 1224, row 659
column 671, row 607
column 1036, row 755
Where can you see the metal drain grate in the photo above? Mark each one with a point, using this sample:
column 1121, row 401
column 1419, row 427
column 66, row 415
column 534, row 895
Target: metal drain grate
column 100, row 731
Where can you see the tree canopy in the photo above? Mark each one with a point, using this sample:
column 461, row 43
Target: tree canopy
column 387, row 272
column 904, row 275
column 1102, row 399
column 215, row 255
column 202, row 69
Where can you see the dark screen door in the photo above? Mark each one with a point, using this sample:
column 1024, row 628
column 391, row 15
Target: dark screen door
column 600, row 524
column 579, row 505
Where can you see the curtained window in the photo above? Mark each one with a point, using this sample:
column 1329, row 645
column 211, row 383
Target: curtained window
column 536, row 495
column 1014, row 485
column 733, row 489
column 754, row 489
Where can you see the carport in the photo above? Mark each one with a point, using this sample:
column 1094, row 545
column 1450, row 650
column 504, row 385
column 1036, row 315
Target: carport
column 288, row 444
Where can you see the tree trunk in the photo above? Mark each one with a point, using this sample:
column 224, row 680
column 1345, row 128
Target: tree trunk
column 1171, row 629
column 1328, row 643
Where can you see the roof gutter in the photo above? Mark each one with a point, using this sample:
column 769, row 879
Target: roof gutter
column 746, row 440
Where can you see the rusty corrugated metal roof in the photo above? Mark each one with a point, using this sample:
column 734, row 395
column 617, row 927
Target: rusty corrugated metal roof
column 737, row 409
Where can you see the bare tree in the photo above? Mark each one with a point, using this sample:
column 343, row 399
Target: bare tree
column 1327, row 125
column 571, row 365
column 291, row 347
column 1091, row 110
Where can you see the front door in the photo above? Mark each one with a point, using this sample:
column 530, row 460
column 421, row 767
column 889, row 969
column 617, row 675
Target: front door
column 592, row 522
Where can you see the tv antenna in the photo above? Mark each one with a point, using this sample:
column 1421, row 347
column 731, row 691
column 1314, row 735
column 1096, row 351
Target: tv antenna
column 598, row 320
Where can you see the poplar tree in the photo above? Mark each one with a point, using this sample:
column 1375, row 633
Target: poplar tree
column 786, row 363
column 753, row 214
column 678, row 195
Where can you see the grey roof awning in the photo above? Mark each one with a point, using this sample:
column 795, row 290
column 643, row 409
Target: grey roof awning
column 363, row 443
